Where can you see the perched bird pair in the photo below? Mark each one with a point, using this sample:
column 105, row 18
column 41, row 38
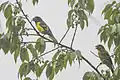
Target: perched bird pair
column 105, row 57
column 44, row 28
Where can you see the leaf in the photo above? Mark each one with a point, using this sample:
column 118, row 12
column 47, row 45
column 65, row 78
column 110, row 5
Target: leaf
column 82, row 3
column 40, row 45
column 72, row 3
column 24, row 69
column 24, row 54
column 110, row 42
column 117, row 54
column 5, row 44
column 69, row 58
column 69, row 1
column 82, row 24
column 27, row 78
column 35, row 2
column 79, row 56
column 3, row 5
column 32, row 50
column 56, row 55
column 83, row 17
column 90, row 6
column 38, row 70
column 43, row 67
column 70, row 20
column 107, row 7
column 16, row 54
column 48, row 71
column 108, row 13
column 9, row 22
column 8, row 11
column 65, row 62
column 91, row 76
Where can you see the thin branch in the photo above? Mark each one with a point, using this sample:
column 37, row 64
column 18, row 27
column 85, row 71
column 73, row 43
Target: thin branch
column 94, row 54
column 29, row 35
column 74, row 36
column 64, row 35
column 93, row 67
column 56, row 42
column 49, row 51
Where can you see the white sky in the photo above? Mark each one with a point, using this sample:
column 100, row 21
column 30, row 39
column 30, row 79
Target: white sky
column 54, row 13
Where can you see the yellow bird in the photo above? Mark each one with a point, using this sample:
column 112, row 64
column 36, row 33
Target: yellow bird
column 43, row 28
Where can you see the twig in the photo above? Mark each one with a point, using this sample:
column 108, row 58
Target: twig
column 94, row 54
column 74, row 36
column 64, row 35
column 57, row 43
column 49, row 51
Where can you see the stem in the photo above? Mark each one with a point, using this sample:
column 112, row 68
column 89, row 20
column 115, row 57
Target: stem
column 64, row 35
column 74, row 36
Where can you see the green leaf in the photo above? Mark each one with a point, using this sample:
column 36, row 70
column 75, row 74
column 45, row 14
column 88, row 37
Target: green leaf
column 16, row 54
column 79, row 56
column 82, row 3
column 117, row 54
column 24, row 69
column 3, row 5
column 69, row 1
column 27, row 78
column 24, row 54
column 82, row 24
column 32, row 50
column 90, row 6
column 69, row 58
column 8, row 11
column 70, row 20
column 72, row 3
column 52, row 74
column 116, row 74
column 108, row 13
column 43, row 67
column 90, row 76
column 35, row 2
column 110, row 42
column 48, row 71
column 82, row 17
column 5, row 44
column 107, row 7
column 38, row 70
column 56, row 55
column 65, row 62
column 40, row 45
column 9, row 22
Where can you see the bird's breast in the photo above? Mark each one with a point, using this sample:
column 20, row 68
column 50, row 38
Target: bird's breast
column 39, row 27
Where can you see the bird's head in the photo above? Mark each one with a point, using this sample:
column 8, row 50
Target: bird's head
column 37, row 19
column 100, row 47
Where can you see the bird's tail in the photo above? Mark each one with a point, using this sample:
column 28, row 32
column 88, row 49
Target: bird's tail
column 53, row 39
column 112, row 69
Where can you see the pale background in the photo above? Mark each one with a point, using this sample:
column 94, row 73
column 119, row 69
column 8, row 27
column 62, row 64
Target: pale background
column 54, row 13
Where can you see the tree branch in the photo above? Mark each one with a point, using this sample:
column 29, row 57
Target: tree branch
column 94, row 54
column 64, row 35
column 56, row 42
column 74, row 36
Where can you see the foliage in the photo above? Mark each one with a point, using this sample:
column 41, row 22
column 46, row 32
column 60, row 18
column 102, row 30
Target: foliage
column 32, row 53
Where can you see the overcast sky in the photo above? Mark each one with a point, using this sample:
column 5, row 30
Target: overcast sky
column 54, row 13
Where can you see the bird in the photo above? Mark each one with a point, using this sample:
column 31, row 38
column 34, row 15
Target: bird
column 105, row 57
column 44, row 28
